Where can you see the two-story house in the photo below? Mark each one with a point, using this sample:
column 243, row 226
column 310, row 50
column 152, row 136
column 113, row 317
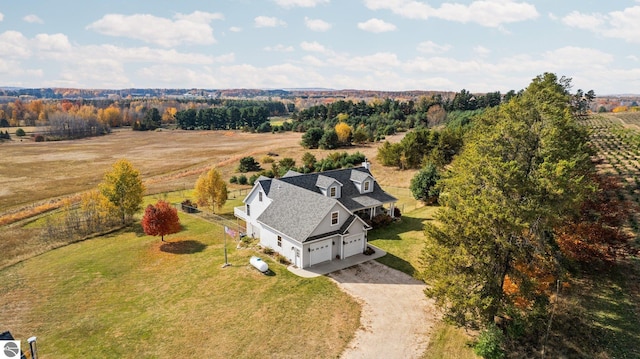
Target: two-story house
column 317, row 217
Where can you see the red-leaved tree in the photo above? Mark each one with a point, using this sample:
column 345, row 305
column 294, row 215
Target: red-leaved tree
column 160, row 220
column 597, row 233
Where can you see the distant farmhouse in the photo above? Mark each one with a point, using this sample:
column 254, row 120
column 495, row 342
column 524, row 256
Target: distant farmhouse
column 317, row 217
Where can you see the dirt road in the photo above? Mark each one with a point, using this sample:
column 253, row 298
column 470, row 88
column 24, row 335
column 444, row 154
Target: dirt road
column 397, row 319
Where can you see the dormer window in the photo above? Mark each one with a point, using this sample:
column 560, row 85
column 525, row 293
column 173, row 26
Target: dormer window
column 366, row 186
column 332, row 192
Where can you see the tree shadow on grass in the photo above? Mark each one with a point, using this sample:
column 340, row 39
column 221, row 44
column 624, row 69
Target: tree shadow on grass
column 183, row 247
column 398, row 263
column 393, row 231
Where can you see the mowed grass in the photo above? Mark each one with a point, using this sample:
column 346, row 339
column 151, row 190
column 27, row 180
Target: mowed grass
column 129, row 295
column 403, row 240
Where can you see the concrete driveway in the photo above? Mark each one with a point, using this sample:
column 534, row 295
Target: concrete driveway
column 397, row 319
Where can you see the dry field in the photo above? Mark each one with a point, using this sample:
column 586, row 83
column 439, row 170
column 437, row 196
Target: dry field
column 33, row 173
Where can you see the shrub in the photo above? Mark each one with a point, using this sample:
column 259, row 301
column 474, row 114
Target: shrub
column 396, row 212
column 489, row 344
column 39, row 138
column 268, row 251
column 20, row 132
column 369, row 251
column 242, row 179
column 381, row 220
column 233, row 179
column 248, row 164
column 281, row 259
column 267, row 159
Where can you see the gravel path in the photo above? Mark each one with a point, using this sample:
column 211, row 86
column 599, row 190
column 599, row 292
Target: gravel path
column 397, row 319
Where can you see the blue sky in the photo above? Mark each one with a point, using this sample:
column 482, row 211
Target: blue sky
column 478, row 45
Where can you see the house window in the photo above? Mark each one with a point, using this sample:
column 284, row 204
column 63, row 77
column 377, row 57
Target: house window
column 248, row 210
column 334, row 218
column 366, row 186
column 260, row 196
column 332, row 192
column 279, row 241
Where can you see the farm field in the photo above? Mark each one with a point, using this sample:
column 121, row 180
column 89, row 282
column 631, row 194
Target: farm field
column 168, row 160
column 616, row 139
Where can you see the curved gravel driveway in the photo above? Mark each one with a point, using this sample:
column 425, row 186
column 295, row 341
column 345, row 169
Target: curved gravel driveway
column 397, row 319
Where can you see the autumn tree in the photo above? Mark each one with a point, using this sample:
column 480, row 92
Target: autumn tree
column 160, row 220
column 123, row 187
column 596, row 233
column 524, row 167
column 211, row 190
column 343, row 130
column 110, row 116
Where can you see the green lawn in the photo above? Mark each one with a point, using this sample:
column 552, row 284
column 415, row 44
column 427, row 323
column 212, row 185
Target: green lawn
column 403, row 240
column 129, row 295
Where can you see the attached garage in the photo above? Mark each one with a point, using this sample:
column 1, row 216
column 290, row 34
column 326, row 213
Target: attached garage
column 353, row 245
column 319, row 252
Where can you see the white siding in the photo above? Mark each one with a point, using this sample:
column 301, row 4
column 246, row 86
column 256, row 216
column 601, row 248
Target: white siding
column 270, row 239
column 325, row 225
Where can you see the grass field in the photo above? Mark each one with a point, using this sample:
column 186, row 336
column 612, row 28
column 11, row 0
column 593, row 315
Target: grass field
column 129, row 295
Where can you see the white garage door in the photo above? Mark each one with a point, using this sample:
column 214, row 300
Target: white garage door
column 320, row 252
column 353, row 245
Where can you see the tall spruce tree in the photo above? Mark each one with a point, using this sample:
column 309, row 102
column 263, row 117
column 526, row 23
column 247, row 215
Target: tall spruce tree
column 523, row 168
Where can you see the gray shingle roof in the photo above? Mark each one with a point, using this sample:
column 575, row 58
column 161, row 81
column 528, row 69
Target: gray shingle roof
column 324, row 182
column 295, row 211
column 350, row 196
column 359, row 176
column 298, row 206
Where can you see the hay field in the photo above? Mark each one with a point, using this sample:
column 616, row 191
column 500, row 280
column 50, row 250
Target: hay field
column 168, row 160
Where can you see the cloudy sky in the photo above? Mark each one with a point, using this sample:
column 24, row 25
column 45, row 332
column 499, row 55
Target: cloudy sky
column 478, row 45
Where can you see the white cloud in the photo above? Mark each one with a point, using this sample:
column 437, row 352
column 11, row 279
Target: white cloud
column 481, row 51
column 1, row 16
column 312, row 47
column 313, row 61
column 615, row 24
column 56, row 43
column 266, row 21
column 33, row 19
column 489, row 13
column 191, row 28
column 583, row 21
column 279, row 48
column 317, row 24
column 430, row 47
column 235, row 29
column 300, row 3
column 632, row 57
column 14, row 45
column 376, row 26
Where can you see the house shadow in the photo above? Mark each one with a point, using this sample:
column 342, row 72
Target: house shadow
column 183, row 247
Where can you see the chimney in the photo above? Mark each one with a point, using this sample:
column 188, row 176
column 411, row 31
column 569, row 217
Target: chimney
column 366, row 164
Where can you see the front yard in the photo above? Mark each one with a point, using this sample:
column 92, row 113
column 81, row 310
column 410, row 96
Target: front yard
column 129, row 295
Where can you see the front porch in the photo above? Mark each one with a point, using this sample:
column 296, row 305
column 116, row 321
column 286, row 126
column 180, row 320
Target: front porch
column 370, row 212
